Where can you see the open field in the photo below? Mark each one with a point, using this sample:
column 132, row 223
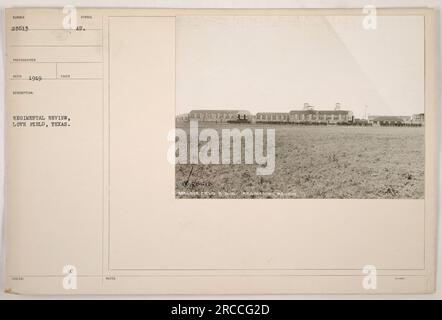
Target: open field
column 320, row 162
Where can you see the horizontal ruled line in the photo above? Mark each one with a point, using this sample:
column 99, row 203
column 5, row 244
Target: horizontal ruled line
column 62, row 79
column 54, row 46
column 55, row 61
column 61, row 29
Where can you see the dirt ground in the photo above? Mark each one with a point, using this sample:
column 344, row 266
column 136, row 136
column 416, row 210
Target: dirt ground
column 320, row 162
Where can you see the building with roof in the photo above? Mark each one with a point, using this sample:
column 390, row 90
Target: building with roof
column 220, row 115
column 389, row 120
column 310, row 115
column 182, row 117
column 265, row 117
column 307, row 115
column 418, row 119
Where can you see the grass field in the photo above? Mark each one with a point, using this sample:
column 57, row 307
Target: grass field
column 323, row 162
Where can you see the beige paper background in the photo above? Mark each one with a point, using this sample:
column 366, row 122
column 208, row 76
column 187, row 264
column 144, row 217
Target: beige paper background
column 114, row 190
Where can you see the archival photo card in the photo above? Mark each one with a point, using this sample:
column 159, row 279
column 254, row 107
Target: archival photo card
column 298, row 107
column 220, row 151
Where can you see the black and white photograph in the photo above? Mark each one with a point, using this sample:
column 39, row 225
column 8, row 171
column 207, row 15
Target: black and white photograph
column 300, row 107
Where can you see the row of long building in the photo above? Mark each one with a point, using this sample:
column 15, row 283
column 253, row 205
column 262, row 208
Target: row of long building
column 307, row 115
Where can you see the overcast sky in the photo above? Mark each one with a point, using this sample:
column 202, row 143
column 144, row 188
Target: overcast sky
column 268, row 63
